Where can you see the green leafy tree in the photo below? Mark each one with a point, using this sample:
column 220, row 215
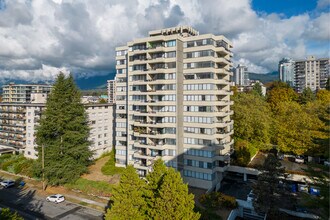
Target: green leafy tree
column 64, row 132
column 252, row 118
column 281, row 94
column 257, row 89
column 266, row 189
column 6, row 214
column 128, row 198
column 102, row 101
column 295, row 128
column 307, row 96
column 172, row 200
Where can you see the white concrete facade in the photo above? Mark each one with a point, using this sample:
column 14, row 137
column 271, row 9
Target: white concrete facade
column 111, row 87
column 173, row 102
column 18, row 124
column 286, row 71
column 21, row 93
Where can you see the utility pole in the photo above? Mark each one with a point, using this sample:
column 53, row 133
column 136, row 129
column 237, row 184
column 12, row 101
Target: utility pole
column 43, row 166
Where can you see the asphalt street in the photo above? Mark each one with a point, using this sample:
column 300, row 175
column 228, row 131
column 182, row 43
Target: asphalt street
column 31, row 206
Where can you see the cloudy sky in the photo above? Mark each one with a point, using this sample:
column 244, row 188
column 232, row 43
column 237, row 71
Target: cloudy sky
column 39, row 37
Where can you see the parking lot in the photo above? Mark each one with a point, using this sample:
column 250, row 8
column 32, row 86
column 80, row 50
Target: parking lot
column 32, row 206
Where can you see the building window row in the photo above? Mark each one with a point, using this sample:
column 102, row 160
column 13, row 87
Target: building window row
column 197, row 141
column 197, row 119
column 167, row 108
column 194, row 108
column 195, row 130
column 121, row 152
column 161, row 98
column 121, row 124
column 204, row 64
column 121, row 71
column 199, row 97
column 191, row 76
column 199, row 164
column 121, row 52
column 198, row 175
column 204, row 86
column 199, row 153
column 202, row 53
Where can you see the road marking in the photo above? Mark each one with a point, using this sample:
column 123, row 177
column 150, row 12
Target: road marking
column 67, row 213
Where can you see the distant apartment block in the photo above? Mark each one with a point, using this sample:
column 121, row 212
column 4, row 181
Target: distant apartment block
column 21, row 93
column 312, row 73
column 241, row 77
column 173, row 102
column 18, row 123
column 111, row 87
column 286, row 70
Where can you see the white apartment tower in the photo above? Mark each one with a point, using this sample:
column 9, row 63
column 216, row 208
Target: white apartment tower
column 286, row 71
column 312, row 73
column 21, row 93
column 111, row 86
column 241, row 77
column 173, row 102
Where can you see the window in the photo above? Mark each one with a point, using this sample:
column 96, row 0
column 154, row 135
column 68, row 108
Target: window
column 171, row 43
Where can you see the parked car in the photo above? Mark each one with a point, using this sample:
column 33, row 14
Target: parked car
column 7, row 183
column 299, row 159
column 57, row 198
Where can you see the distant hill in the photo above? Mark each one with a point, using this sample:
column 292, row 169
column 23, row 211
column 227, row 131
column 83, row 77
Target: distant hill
column 264, row 78
column 94, row 82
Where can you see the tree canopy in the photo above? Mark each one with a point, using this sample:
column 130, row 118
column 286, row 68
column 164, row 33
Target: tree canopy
column 162, row 196
column 64, row 132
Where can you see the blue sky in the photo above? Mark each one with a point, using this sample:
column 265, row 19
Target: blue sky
column 287, row 7
column 40, row 37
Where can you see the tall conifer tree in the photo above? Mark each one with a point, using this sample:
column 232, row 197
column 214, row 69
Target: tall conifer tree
column 64, row 131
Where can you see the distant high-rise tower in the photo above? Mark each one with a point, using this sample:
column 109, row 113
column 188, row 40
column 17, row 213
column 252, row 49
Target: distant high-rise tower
column 173, row 102
column 241, row 75
column 111, row 91
column 312, row 73
column 286, row 71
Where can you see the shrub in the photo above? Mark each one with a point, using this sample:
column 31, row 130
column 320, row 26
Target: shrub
column 217, row 200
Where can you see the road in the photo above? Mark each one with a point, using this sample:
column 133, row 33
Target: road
column 32, row 206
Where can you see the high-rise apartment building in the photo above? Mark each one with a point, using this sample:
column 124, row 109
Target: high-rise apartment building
column 18, row 123
column 312, row 73
column 111, row 87
column 241, row 77
column 21, row 93
column 286, row 71
column 173, row 102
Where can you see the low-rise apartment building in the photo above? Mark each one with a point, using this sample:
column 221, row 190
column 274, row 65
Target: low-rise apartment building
column 19, row 121
column 21, row 93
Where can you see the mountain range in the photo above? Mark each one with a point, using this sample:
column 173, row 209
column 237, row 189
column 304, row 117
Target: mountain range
column 100, row 82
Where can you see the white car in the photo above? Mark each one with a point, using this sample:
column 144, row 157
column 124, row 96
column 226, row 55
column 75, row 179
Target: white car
column 7, row 183
column 55, row 198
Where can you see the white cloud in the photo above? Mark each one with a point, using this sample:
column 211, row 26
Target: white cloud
column 82, row 35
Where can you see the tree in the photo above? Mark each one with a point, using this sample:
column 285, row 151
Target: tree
column 64, row 132
column 280, row 94
column 128, row 198
column 327, row 85
column 252, row 118
column 307, row 96
column 102, row 101
column 6, row 214
column 172, row 200
column 295, row 129
column 162, row 196
column 266, row 189
column 257, row 89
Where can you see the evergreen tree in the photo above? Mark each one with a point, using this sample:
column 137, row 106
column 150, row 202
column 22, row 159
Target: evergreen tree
column 266, row 189
column 128, row 200
column 257, row 89
column 64, row 132
column 6, row 214
column 307, row 96
column 172, row 199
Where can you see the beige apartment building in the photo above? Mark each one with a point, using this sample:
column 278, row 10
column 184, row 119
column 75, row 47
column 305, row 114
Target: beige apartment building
column 173, row 102
column 311, row 73
column 21, row 93
column 18, row 123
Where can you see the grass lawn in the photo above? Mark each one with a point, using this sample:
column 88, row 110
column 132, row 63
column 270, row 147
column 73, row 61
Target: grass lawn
column 109, row 167
column 99, row 188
